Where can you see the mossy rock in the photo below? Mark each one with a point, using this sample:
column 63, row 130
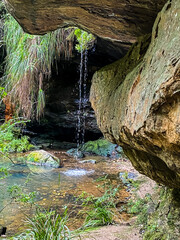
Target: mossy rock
column 43, row 158
column 164, row 222
column 99, row 147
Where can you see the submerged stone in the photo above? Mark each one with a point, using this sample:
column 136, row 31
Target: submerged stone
column 92, row 161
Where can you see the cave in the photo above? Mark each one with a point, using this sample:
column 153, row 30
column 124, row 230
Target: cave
column 58, row 125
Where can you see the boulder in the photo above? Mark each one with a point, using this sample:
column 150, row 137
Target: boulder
column 43, row 158
column 137, row 100
column 100, row 147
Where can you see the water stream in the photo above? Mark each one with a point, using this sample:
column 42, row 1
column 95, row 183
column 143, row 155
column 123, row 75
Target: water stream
column 55, row 188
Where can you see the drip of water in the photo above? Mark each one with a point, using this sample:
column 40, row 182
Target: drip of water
column 84, row 95
column 81, row 113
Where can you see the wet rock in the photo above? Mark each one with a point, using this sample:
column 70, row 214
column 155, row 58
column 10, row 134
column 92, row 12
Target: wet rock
column 3, row 231
column 19, row 168
column 137, row 100
column 59, row 123
column 99, row 147
column 75, row 153
column 92, row 161
column 43, row 158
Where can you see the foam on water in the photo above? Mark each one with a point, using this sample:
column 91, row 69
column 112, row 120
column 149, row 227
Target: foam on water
column 77, row 172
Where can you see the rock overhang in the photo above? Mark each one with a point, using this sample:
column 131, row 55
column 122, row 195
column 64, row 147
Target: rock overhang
column 122, row 20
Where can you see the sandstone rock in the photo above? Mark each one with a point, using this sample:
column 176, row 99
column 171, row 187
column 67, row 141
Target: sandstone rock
column 137, row 100
column 43, row 158
column 121, row 20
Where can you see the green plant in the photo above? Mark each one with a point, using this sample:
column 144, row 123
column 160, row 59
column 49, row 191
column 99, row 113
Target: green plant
column 11, row 139
column 17, row 194
column 100, row 209
column 29, row 60
column 4, row 173
column 128, row 181
column 2, row 93
column 140, row 209
column 49, row 225
column 85, row 40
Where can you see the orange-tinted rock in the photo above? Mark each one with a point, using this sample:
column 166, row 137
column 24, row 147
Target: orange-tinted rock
column 9, row 108
column 137, row 100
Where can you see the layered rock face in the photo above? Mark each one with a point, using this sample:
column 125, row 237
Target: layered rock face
column 121, row 20
column 137, row 100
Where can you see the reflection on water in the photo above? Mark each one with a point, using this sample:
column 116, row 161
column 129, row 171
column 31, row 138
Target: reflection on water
column 54, row 187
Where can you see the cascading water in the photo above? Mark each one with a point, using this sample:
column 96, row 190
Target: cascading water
column 85, row 100
column 81, row 113
column 85, row 42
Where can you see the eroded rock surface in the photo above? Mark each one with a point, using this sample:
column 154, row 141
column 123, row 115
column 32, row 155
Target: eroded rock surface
column 137, row 100
column 122, row 20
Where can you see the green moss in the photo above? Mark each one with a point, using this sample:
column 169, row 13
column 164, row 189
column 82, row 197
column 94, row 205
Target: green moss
column 101, row 147
column 42, row 157
column 164, row 222
column 155, row 236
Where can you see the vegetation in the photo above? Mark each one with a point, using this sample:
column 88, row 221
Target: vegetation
column 140, row 208
column 47, row 225
column 3, row 173
column 29, row 60
column 11, row 139
column 85, row 40
column 2, row 93
column 17, row 194
column 99, row 211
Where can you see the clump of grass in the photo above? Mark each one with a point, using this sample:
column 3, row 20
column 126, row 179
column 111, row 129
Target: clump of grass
column 46, row 225
column 29, row 60
column 85, row 40
column 49, row 225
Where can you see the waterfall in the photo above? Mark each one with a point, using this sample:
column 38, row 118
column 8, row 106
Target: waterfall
column 84, row 96
column 82, row 102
